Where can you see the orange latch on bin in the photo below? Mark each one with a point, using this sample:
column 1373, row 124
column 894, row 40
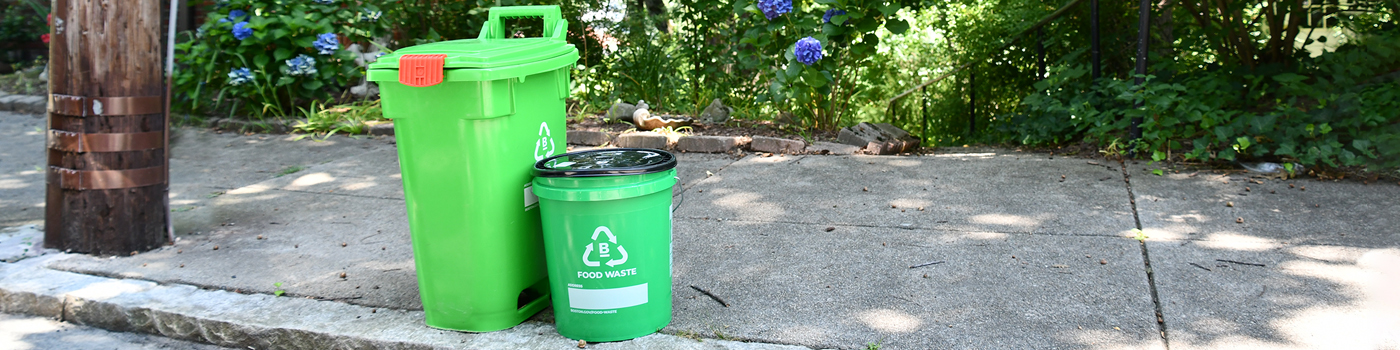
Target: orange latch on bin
column 421, row 70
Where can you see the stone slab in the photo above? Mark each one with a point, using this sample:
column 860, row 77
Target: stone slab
column 777, row 145
column 29, row 104
column 644, row 139
column 852, row 286
column 263, row 321
column 205, row 163
column 711, row 144
column 1182, row 206
column 266, row 235
column 22, row 160
column 30, row 332
column 587, row 137
column 1303, row 297
column 821, row 147
column 962, row 192
column 22, row 242
column 382, row 129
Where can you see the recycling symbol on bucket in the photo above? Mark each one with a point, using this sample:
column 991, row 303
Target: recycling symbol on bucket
column 544, row 147
column 605, row 249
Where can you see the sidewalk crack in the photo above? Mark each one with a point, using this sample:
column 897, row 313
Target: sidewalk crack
column 1146, row 258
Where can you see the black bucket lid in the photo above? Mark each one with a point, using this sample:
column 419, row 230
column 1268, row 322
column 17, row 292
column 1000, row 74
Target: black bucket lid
column 606, row 162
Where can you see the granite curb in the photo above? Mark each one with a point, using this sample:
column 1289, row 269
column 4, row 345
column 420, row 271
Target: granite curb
column 264, row 321
column 29, row 104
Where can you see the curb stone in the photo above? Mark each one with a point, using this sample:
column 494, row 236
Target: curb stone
column 820, row 147
column 28, row 104
column 644, row 139
column 777, row 145
column 587, row 138
column 267, row 322
column 711, row 144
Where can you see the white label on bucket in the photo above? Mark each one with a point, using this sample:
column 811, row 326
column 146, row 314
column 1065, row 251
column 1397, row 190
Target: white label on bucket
column 530, row 198
column 603, row 299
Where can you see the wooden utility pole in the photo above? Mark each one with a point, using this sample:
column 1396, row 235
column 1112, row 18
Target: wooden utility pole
column 107, row 174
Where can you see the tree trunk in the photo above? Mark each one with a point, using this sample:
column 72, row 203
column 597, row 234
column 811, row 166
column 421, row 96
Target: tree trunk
column 107, row 170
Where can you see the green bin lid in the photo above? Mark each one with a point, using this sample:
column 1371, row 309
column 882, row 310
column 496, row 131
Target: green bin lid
column 606, row 162
column 482, row 53
column 491, row 56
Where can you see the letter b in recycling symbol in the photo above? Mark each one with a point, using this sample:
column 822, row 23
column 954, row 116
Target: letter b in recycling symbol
column 604, row 250
column 544, row 146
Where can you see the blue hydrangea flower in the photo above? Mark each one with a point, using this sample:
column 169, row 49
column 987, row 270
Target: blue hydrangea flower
column 237, row 15
column 241, row 30
column 808, row 51
column 240, row 76
column 300, row 65
column 326, row 44
column 223, row 20
column 371, row 16
column 774, row 8
column 324, row 2
column 832, row 13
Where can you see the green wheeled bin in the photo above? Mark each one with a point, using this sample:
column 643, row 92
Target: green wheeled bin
column 470, row 117
column 607, row 234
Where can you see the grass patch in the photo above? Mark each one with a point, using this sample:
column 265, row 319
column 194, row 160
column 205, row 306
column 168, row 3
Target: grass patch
column 290, row 170
column 350, row 118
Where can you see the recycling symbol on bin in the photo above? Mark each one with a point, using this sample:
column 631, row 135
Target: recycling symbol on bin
column 545, row 145
column 604, row 249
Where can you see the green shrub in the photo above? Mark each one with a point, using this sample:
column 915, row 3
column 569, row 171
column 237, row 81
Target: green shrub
column 266, row 58
column 1340, row 109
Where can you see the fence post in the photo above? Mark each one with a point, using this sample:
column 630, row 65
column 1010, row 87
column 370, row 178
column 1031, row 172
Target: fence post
column 107, row 173
column 1094, row 37
column 1144, row 11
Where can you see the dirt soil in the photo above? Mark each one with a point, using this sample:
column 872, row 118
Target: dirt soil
column 731, row 128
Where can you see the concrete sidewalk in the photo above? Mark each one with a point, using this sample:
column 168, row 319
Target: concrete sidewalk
column 808, row 251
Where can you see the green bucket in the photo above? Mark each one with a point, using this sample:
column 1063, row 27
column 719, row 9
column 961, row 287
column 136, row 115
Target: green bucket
column 606, row 217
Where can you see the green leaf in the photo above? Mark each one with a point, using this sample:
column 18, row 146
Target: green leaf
column 814, row 78
column 897, row 26
column 889, row 9
column 261, row 60
column 840, row 19
column 1157, row 172
column 1158, row 156
column 284, row 81
column 304, row 41
column 282, row 53
column 312, row 85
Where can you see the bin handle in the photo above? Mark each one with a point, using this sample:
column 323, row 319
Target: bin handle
column 682, row 195
column 554, row 24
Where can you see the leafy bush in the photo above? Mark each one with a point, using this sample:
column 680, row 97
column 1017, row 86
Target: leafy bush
column 21, row 21
column 270, row 57
column 809, row 55
column 1339, row 109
